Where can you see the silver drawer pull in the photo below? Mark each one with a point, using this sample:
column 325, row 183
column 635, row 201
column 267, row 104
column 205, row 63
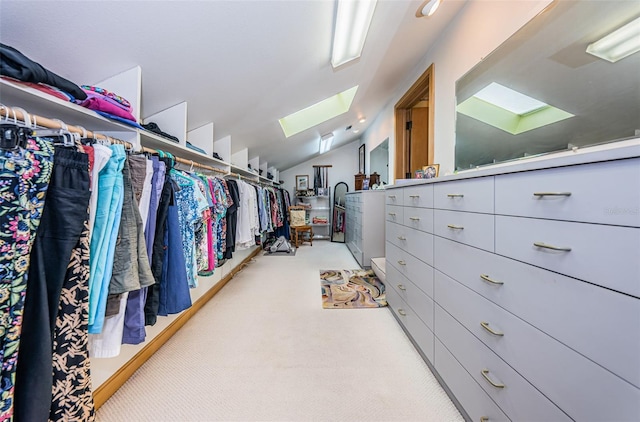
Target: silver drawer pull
column 455, row 195
column 402, row 312
column 414, row 196
column 414, row 218
column 485, row 374
column 401, row 287
column 402, row 262
column 402, row 238
column 453, row 226
column 393, row 214
column 486, row 278
column 484, row 419
column 392, row 196
column 552, row 194
column 485, row 325
column 555, row 248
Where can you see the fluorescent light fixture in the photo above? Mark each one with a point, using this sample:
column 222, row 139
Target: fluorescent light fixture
column 510, row 110
column 509, row 99
column 318, row 113
column 325, row 142
column 619, row 44
column 352, row 24
column 428, row 8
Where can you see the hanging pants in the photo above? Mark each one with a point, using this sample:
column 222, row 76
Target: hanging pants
column 63, row 219
column 24, row 180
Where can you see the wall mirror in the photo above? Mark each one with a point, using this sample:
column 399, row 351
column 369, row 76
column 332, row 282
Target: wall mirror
column 541, row 91
column 339, row 212
column 379, row 161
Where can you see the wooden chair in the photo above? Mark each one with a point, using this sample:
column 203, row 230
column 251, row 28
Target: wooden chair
column 298, row 225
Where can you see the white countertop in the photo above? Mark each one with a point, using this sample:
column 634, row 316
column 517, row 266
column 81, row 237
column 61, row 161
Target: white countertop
column 606, row 152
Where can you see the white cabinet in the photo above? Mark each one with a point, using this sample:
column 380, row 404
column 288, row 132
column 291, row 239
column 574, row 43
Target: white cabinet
column 535, row 280
column 365, row 217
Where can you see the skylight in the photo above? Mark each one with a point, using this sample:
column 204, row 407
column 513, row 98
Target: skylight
column 510, row 110
column 509, row 99
column 318, row 113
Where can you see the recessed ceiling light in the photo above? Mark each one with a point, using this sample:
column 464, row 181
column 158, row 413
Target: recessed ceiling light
column 428, row 8
column 619, row 44
column 362, row 120
column 318, row 113
column 356, row 130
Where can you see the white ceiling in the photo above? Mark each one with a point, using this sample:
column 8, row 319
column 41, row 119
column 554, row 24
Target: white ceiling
column 240, row 64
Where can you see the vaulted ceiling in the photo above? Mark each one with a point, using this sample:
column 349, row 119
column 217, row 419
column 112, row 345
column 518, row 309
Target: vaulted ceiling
column 239, row 64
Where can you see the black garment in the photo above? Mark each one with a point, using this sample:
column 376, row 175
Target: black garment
column 232, row 218
column 63, row 217
column 157, row 257
column 153, row 127
column 18, row 66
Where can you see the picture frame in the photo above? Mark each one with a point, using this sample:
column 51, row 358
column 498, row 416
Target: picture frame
column 302, row 182
column 431, row 172
column 365, row 184
column 419, row 174
column 361, row 159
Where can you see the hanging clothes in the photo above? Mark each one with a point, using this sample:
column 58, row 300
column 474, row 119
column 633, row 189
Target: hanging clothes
column 63, row 219
column 232, row 218
column 24, row 180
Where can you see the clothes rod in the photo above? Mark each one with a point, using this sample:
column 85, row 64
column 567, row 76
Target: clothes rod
column 18, row 114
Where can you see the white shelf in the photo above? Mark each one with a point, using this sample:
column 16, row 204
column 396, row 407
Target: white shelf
column 319, row 224
column 157, row 142
column 320, row 208
column 45, row 105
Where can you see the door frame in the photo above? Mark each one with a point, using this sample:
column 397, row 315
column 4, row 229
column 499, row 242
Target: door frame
column 424, row 86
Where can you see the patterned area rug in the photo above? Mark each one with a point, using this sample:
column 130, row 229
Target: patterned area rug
column 351, row 289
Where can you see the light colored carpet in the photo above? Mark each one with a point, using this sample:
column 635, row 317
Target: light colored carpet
column 351, row 289
column 263, row 349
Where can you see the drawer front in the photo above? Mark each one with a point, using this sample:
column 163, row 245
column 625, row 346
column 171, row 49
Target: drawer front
column 418, row 301
column 519, row 400
column 603, row 255
column 420, row 333
column 394, row 197
column 420, row 273
column 466, row 227
column 560, row 306
column 394, row 213
column 474, row 195
column 417, row 243
column 578, row 386
column 419, row 218
column 418, row 196
column 473, row 399
column 606, row 193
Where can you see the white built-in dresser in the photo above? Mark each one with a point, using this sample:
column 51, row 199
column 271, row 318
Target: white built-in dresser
column 364, row 231
column 520, row 284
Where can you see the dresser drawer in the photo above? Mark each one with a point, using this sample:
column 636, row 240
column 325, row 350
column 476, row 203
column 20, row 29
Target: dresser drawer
column 517, row 398
column 473, row 399
column 394, row 213
column 419, row 218
column 603, row 255
column 420, row 273
column 581, row 388
column 418, row 301
column 475, row 195
column 418, row 196
column 420, row 333
column 466, row 227
column 394, row 197
column 417, row 243
column 560, row 306
column 606, row 193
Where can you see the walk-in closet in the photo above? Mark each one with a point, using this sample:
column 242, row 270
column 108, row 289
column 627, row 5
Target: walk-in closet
column 320, row 210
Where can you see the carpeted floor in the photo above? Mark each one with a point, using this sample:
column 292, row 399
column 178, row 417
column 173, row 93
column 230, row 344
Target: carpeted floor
column 263, row 350
column 351, row 289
